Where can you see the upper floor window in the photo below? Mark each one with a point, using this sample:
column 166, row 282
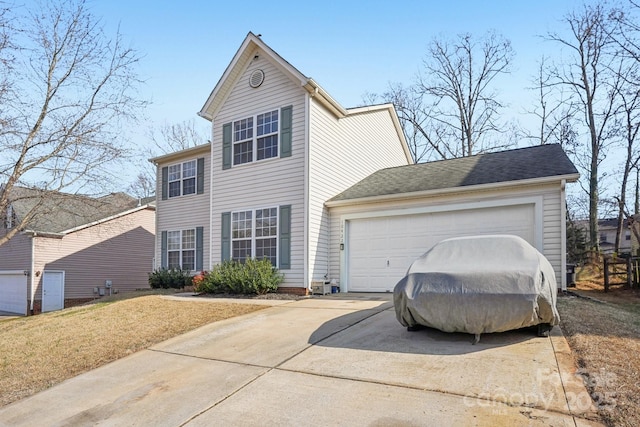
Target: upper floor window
column 255, row 138
column 182, row 179
column 627, row 235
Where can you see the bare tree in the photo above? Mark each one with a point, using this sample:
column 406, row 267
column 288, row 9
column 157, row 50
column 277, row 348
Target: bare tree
column 69, row 90
column 175, row 137
column 166, row 139
column 452, row 108
column 458, row 82
column 586, row 71
column 555, row 112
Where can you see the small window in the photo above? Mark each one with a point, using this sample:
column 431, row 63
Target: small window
column 182, row 179
column 250, row 146
column 627, row 235
column 603, row 237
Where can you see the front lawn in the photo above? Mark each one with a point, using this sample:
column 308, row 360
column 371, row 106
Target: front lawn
column 41, row 351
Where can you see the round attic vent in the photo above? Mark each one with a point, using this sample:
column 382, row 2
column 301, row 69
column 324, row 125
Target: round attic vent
column 256, row 79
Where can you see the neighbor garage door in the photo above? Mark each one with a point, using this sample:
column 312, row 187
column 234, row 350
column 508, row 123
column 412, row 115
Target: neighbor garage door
column 13, row 292
column 381, row 249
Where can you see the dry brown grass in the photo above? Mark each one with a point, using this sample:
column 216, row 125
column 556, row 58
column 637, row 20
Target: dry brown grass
column 603, row 331
column 43, row 350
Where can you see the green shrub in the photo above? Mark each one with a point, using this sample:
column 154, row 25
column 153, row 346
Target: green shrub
column 251, row 277
column 169, row 278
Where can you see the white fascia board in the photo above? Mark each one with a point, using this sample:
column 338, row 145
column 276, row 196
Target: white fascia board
column 442, row 191
column 183, row 153
column 316, row 91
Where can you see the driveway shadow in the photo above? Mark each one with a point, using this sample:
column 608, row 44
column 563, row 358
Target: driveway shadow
column 378, row 330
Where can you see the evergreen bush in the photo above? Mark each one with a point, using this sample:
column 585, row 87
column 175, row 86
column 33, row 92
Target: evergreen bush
column 173, row 278
column 253, row 277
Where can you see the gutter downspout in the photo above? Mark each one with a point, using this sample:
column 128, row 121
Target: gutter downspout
column 307, row 137
column 31, row 272
column 563, row 235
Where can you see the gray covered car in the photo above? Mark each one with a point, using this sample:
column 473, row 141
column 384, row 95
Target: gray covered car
column 479, row 284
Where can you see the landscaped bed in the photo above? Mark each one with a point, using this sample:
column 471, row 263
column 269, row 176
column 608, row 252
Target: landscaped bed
column 41, row 351
column 603, row 331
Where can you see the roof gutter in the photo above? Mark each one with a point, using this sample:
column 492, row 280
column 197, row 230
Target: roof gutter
column 32, row 268
column 451, row 190
column 324, row 98
column 182, row 153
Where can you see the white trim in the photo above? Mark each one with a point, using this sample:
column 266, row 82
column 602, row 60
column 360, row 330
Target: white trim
column 179, row 154
column 563, row 236
column 109, row 218
column 181, row 180
column 253, row 231
column 32, row 271
column 42, row 287
column 306, row 213
column 451, row 190
column 182, row 250
column 210, row 208
column 254, row 138
column 536, row 201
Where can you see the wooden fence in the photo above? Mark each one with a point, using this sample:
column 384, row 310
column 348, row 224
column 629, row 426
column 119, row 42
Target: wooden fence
column 627, row 267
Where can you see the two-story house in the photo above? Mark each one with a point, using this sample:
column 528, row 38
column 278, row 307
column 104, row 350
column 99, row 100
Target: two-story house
column 327, row 192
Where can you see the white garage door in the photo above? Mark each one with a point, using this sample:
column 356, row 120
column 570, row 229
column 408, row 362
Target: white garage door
column 380, row 250
column 13, row 292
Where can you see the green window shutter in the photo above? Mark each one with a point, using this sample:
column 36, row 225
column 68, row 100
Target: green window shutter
column 226, row 146
column 200, row 175
column 285, row 131
column 285, row 238
column 164, row 256
column 199, row 247
column 165, row 183
column 226, row 236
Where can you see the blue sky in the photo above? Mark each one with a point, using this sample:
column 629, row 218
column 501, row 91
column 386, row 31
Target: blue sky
column 348, row 47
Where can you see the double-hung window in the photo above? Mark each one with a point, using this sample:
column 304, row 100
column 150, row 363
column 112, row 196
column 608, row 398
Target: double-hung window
column 181, row 249
column 182, row 179
column 254, row 234
column 255, row 138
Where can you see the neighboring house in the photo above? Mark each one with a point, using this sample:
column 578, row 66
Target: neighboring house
column 607, row 228
column 75, row 249
column 330, row 193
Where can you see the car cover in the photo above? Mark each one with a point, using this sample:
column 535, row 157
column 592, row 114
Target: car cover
column 478, row 284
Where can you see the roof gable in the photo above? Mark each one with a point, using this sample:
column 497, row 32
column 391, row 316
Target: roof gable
column 251, row 46
column 58, row 213
column 543, row 161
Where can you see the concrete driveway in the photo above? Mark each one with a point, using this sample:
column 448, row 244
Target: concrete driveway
column 323, row 361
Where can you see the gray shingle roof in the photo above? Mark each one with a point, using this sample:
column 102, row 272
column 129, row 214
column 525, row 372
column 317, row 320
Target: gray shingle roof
column 57, row 212
column 513, row 165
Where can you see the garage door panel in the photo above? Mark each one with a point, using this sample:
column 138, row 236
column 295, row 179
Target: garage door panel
column 13, row 292
column 381, row 249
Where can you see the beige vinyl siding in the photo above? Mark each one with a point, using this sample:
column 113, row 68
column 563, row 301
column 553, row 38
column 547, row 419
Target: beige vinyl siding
column 550, row 195
column 120, row 250
column 16, row 253
column 342, row 152
column 552, row 233
column 267, row 183
column 184, row 212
